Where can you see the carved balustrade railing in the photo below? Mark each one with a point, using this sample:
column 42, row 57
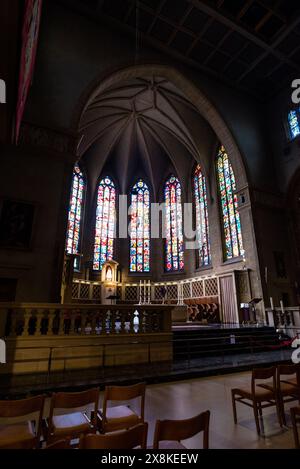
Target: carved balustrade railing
column 38, row 320
column 288, row 318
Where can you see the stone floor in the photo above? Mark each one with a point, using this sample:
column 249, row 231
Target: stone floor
column 187, row 398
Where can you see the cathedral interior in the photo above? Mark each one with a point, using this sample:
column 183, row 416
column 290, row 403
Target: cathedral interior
column 150, row 223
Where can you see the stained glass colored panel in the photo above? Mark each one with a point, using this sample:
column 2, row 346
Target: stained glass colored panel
column 233, row 242
column 173, row 226
column 202, row 227
column 105, row 223
column 75, row 212
column 294, row 123
column 140, row 228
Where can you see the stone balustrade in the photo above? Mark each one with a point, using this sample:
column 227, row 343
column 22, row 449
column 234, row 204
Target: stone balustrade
column 73, row 320
column 288, row 319
column 47, row 338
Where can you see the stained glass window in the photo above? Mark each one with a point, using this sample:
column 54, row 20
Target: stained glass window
column 105, row 223
column 202, row 228
column 233, row 242
column 75, row 213
column 294, row 123
column 140, row 228
column 173, row 226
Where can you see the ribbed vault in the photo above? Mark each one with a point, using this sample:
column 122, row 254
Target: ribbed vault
column 142, row 127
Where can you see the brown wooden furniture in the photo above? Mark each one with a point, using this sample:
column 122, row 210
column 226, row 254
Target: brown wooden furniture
column 72, row 424
column 125, row 439
column 121, row 416
column 24, row 430
column 169, row 433
column 259, row 396
column 60, row 444
column 295, row 416
column 288, row 390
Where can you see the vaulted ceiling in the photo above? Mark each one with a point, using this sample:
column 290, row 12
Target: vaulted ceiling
column 143, row 127
column 251, row 44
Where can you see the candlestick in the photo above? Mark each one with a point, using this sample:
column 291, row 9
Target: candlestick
column 271, row 303
column 281, row 306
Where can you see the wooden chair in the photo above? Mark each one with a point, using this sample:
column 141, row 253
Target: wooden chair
column 60, row 444
column 24, row 431
column 72, row 424
column 171, row 432
column 125, row 439
column 259, row 396
column 121, row 416
column 295, row 416
column 288, row 390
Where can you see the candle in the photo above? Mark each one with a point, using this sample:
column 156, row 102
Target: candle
column 140, row 292
column 272, row 304
column 281, row 306
column 266, row 274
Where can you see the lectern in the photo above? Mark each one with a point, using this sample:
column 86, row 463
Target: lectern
column 253, row 302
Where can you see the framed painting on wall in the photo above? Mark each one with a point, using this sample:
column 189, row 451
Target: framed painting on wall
column 16, row 222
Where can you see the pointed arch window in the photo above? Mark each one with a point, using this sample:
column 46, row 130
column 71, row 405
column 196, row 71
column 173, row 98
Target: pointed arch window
column 233, row 243
column 201, row 213
column 140, row 228
column 294, row 123
column 75, row 213
column 173, row 226
column 105, row 223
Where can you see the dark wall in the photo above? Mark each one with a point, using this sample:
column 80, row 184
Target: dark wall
column 75, row 52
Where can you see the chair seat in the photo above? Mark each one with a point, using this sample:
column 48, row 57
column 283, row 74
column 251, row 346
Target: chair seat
column 70, row 424
column 288, row 389
column 120, row 417
column 17, row 435
column 171, row 445
column 292, row 382
column 261, row 393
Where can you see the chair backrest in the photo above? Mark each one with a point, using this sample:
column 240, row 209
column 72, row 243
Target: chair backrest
column 295, row 413
column 127, row 439
column 177, row 430
column 72, row 400
column 263, row 374
column 288, row 370
column 22, row 408
column 125, row 393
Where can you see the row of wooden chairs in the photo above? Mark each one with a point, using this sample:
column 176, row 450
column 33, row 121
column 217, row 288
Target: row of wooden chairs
column 70, row 414
column 74, row 415
column 272, row 386
column 168, row 435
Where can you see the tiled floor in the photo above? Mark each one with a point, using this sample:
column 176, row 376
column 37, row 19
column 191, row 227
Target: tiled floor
column 184, row 399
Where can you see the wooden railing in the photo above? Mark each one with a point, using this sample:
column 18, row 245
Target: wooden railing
column 41, row 320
